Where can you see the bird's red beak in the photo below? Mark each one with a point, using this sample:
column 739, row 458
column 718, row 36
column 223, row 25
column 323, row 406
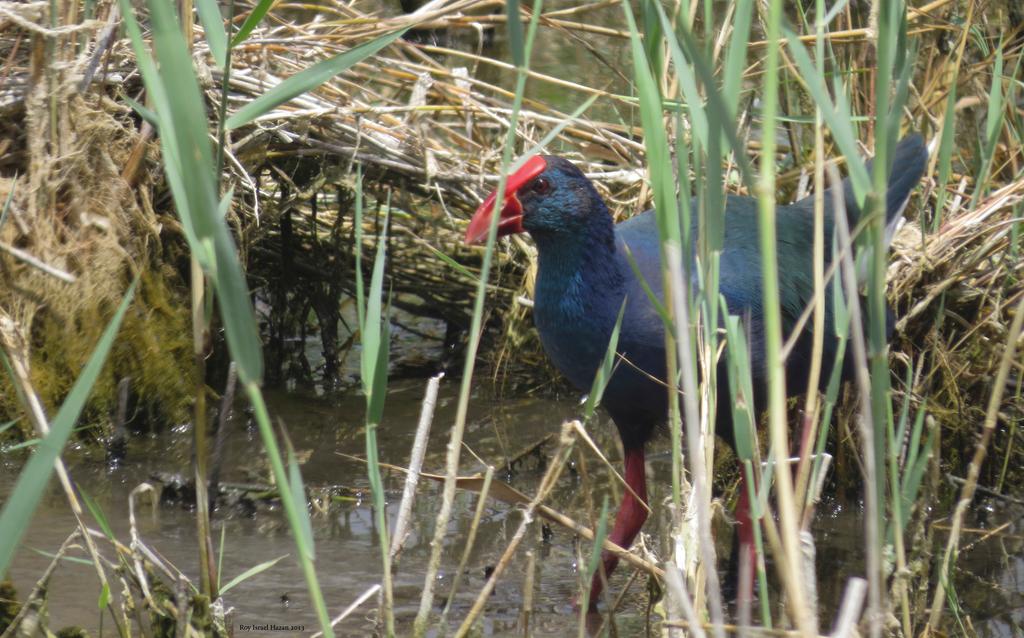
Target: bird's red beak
column 510, row 218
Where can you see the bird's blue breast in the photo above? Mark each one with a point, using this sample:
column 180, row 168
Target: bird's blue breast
column 575, row 312
column 572, row 324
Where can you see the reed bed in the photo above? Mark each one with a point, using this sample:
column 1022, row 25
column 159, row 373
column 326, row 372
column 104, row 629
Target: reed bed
column 380, row 158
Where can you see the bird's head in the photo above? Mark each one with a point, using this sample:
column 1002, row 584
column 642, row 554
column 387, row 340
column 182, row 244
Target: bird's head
column 547, row 196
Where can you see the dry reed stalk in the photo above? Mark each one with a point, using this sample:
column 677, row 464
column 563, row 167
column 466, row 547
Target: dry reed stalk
column 137, row 544
column 808, row 554
column 860, row 358
column 26, row 257
column 440, row 526
column 812, row 401
column 582, row 433
column 528, row 586
column 681, row 605
column 586, row 488
column 469, row 543
column 566, row 441
column 850, row 608
column 696, row 438
column 365, row 596
column 419, row 450
column 181, row 629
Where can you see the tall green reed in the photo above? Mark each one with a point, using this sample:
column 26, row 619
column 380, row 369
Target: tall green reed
column 680, row 340
column 180, row 115
column 775, row 366
column 188, row 163
column 712, row 102
column 593, row 564
column 521, row 50
column 375, row 336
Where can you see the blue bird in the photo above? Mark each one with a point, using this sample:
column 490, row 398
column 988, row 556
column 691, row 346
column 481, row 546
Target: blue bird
column 584, row 275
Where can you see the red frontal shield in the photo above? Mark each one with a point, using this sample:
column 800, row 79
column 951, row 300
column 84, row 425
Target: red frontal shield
column 510, row 217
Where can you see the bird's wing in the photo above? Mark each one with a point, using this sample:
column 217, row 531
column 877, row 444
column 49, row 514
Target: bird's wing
column 639, row 235
column 740, row 280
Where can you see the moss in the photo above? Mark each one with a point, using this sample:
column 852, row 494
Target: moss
column 161, row 620
column 80, row 214
column 202, row 619
column 153, row 348
column 9, row 605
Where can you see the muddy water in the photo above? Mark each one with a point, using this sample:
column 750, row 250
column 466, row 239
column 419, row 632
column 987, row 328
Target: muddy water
column 346, row 540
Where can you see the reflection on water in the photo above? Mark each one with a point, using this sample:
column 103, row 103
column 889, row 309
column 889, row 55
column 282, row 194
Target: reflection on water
column 347, row 558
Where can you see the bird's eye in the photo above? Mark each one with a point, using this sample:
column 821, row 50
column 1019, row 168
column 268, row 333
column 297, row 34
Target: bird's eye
column 541, row 186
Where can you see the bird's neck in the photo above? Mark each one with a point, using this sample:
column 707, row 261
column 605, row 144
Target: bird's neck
column 580, row 277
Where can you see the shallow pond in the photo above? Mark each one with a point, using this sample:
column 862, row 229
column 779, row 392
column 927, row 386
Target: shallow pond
column 346, row 540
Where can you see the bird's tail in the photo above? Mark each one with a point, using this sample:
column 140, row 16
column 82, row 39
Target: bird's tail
column 908, row 164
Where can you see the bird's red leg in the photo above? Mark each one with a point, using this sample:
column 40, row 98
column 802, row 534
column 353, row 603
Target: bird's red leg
column 629, row 520
column 747, row 554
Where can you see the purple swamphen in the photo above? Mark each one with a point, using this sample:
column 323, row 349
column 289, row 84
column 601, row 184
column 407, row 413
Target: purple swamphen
column 584, row 275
